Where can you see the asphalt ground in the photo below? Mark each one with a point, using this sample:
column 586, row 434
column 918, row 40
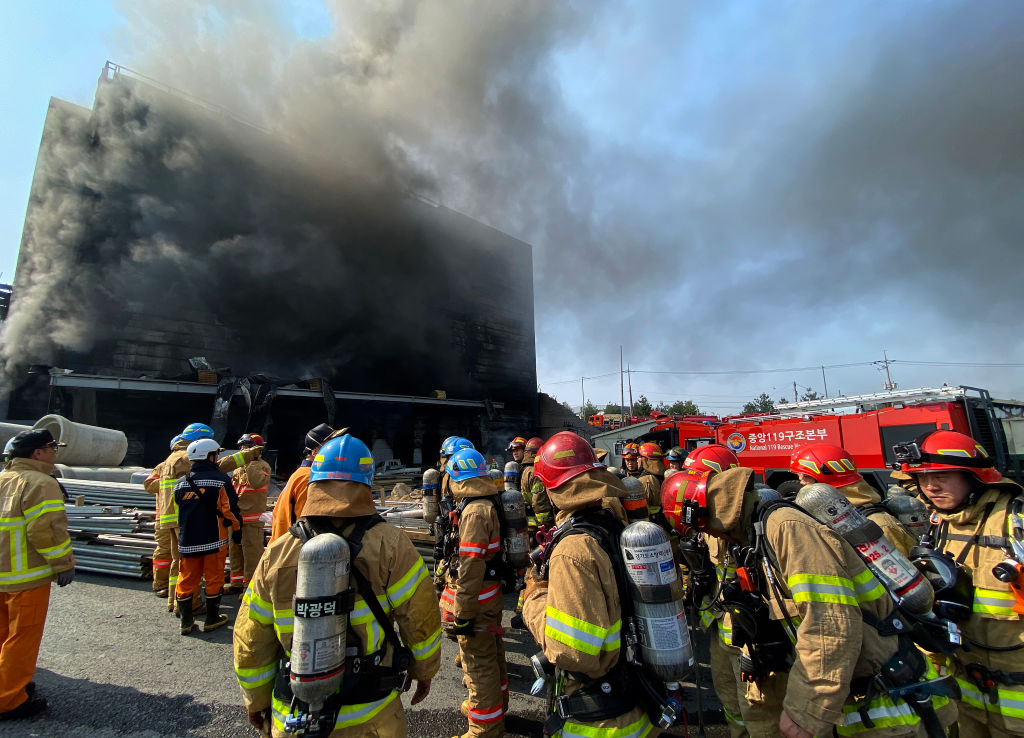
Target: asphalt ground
column 112, row 664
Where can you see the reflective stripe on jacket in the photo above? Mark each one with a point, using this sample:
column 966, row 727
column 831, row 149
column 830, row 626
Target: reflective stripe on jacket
column 263, row 629
column 34, row 541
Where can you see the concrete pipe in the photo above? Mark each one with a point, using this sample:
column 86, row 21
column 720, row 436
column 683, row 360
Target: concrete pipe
column 124, row 474
column 87, row 445
column 9, row 431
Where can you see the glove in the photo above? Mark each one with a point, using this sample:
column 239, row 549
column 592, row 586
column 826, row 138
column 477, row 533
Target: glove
column 422, row 690
column 462, row 627
column 533, row 584
column 236, row 536
column 64, row 578
column 261, row 721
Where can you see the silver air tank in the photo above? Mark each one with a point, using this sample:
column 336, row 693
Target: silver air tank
column 512, row 475
column 497, row 478
column 515, row 538
column 657, row 595
column 909, row 510
column 318, row 641
column 430, row 509
column 827, row 505
column 634, row 500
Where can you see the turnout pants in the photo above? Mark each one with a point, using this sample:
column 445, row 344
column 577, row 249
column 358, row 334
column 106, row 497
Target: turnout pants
column 22, row 617
column 486, row 675
column 194, row 568
column 246, row 555
column 725, row 674
column 165, row 559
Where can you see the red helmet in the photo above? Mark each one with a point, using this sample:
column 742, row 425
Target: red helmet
column 517, row 442
column 684, row 499
column 631, row 449
column 711, row 458
column 534, row 443
column 948, row 450
column 651, row 451
column 826, row 463
column 252, row 439
column 564, row 456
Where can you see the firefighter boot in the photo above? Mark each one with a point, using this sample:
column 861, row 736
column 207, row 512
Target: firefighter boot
column 188, row 622
column 213, row 617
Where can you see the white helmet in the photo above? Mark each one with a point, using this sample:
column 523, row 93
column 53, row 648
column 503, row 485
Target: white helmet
column 8, row 446
column 199, row 450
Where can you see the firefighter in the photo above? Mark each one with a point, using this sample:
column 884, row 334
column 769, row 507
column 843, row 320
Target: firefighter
column 517, row 447
column 161, row 483
column 471, row 603
column 812, row 587
column 714, row 614
column 652, row 465
column 676, row 458
column 207, row 514
column 834, row 465
column 251, row 483
column 526, row 483
column 575, row 614
column 288, row 507
column 340, row 500
column 35, row 549
column 973, row 522
column 631, row 460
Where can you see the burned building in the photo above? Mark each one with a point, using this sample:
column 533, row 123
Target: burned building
column 178, row 264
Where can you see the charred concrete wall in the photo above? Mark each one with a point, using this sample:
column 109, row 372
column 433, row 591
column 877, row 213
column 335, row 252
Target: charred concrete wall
column 158, row 230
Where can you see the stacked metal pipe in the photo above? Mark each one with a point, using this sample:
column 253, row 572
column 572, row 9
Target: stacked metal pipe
column 118, row 494
column 113, row 532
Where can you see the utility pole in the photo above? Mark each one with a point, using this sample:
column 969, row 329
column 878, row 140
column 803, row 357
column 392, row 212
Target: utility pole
column 823, row 381
column 795, row 399
column 622, row 390
column 583, row 399
column 629, row 378
column 889, row 384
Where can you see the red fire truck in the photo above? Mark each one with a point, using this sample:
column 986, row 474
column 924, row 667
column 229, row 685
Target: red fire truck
column 865, row 425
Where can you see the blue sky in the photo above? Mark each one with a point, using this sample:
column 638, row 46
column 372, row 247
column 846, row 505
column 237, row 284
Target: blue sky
column 712, row 186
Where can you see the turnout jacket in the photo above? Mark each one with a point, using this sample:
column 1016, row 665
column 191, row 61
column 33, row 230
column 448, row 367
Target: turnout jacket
column 205, row 516
column 396, row 573
column 292, row 499
column 577, row 618
column 251, row 482
column 468, row 586
column 651, row 476
column 993, row 620
column 165, row 475
column 34, row 541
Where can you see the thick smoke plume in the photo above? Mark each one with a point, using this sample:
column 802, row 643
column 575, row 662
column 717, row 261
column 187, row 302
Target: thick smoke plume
column 710, row 188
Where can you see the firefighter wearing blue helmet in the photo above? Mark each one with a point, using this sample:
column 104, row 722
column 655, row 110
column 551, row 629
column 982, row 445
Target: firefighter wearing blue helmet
column 471, row 603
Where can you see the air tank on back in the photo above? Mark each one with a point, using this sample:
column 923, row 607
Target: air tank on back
column 318, row 640
column 497, row 478
column 909, row 510
column 657, row 595
column 634, row 500
column 515, row 536
column 430, row 508
column 827, row 505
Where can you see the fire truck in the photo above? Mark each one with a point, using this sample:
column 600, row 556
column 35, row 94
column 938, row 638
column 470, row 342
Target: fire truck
column 865, row 425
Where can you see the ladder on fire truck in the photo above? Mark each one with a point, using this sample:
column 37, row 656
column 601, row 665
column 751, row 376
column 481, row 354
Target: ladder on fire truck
column 876, row 399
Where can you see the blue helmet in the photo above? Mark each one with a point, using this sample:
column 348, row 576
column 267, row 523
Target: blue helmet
column 466, row 464
column 176, row 439
column 195, row 431
column 343, row 458
column 456, row 443
column 446, row 441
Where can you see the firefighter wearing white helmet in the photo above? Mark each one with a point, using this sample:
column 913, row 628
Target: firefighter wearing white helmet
column 471, row 602
column 819, row 632
column 388, row 586
column 829, row 464
column 977, row 522
column 574, row 608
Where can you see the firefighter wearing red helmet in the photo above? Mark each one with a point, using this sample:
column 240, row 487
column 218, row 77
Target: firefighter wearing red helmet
column 834, row 465
column 976, row 521
column 631, row 460
column 534, row 492
column 652, row 474
column 526, row 479
column 804, row 615
column 713, row 457
column 574, row 608
column 251, row 482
